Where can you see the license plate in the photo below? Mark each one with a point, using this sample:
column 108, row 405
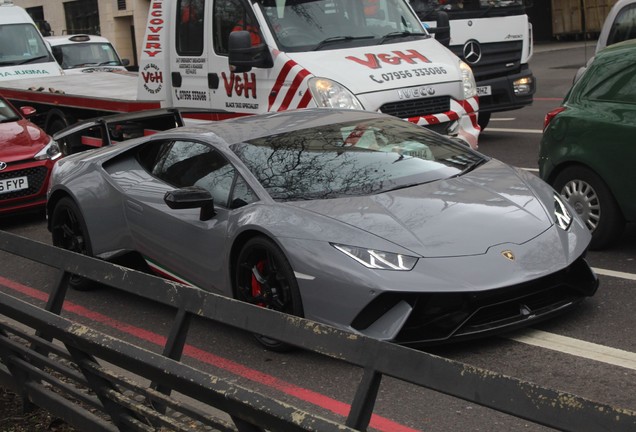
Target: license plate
column 13, row 184
column 484, row 91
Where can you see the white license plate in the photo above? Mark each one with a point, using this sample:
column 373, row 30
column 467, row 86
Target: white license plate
column 13, row 184
column 484, row 91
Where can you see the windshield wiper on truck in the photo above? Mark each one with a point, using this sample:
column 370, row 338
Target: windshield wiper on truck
column 335, row 39
column 399, row 34
column 32, row 59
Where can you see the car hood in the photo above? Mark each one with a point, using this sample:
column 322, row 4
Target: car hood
column 21, row 140
column 461, row 216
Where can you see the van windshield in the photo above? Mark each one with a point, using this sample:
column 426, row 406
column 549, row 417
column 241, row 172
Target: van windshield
column 22, row 44
column 307, row 25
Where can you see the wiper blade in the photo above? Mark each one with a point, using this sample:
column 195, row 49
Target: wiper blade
column 32, row 59
column 400, row 34
column 335, row 39
column 470, row 167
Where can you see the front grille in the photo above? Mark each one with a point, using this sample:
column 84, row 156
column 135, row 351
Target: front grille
column 417, row 107
column 440, row 317
column 497, row 59
column 36, row 177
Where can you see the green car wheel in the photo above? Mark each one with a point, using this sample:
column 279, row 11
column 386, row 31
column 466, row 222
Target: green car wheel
column 593, row 202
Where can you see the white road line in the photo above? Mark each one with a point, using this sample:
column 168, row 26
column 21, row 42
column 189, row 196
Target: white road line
column 613, row 273
column 531, row 169
column 503, row 119
column 529, row 131
column 577, row 347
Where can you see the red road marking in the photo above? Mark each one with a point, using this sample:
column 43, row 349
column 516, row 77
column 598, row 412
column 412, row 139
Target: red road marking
column 335, row 406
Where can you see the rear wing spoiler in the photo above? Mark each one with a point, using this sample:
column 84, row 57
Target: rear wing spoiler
column 107, row 130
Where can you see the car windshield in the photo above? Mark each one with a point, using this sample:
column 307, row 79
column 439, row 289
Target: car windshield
column 353, row 159
column 306, row 25
column 7, row 113
column 426, row 9
column 21, row 44
column 75, row 55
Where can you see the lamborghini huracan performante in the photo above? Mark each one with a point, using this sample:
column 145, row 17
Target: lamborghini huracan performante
column 355, row 219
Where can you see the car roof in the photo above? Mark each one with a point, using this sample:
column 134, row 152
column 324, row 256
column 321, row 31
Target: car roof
column 77, row 38
column 243, row 129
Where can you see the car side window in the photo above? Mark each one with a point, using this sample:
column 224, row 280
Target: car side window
column 619, row 86
column 624, row 26
column 229, row 16
column 189, row 35
column 187, row 163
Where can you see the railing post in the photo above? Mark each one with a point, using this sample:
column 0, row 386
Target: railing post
column 364, row 400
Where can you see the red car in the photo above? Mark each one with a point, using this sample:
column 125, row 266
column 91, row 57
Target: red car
column 27, row 155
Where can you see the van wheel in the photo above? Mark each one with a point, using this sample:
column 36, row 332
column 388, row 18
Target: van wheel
column 593, row 202
column 265, row 278
column 483, row 119
column 69, row 232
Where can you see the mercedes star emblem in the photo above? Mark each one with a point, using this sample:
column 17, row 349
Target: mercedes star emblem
column 472, row 52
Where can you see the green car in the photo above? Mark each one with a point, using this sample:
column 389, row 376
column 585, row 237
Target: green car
column 588, row 149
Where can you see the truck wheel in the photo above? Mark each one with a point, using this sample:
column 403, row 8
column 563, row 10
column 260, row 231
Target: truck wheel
column 265, row 278
column 593, row 202
column 69, row 232
column 483, row 119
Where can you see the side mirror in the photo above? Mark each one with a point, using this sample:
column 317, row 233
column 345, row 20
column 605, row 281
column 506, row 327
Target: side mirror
column 27, row 111
column 125, row 62
column 242, row 56
column 189, row 198
column 442, row 29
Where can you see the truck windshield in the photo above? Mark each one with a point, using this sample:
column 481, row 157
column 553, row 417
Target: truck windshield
column 306, row 25
column 76, row 55
column 22, row 44
column 426, row 9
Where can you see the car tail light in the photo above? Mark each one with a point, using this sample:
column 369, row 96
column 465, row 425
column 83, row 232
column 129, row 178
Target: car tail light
column 552, row 114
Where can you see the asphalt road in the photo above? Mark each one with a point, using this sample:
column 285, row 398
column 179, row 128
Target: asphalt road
column 590, row 352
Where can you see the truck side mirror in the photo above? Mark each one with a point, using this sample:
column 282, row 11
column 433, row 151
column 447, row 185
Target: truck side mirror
column 442, row 29
column 242, row 56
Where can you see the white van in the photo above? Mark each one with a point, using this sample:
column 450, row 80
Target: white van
column 23, row 52
column 620, row 25
column 84, row 53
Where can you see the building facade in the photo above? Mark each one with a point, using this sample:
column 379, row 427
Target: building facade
column 121, row 21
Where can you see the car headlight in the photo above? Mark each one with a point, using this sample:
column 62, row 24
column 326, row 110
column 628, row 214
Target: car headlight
column 330, row 94
column 378, row 259
column 469, row 86
column 562, row 216
column 50, row 151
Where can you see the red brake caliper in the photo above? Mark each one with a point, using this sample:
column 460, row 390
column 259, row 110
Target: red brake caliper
column 257, row 288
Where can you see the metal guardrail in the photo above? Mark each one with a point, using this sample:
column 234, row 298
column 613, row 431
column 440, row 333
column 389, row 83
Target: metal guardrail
column 58, row 377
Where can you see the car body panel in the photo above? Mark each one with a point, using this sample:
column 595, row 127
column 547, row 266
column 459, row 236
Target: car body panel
column 598, row 134
column 447, row 224
column 23, row 179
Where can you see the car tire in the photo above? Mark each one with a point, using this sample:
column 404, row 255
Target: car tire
column 265, row 278
column 594, row 203
column 69, row 232
column 483, row 119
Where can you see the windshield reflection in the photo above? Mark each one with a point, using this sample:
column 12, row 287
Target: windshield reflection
column 352, row 159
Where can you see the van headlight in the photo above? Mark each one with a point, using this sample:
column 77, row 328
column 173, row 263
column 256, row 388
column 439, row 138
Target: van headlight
column 469, row 86
column 330, row 94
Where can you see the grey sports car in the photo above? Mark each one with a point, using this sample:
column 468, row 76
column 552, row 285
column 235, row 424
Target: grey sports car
column 355, row 219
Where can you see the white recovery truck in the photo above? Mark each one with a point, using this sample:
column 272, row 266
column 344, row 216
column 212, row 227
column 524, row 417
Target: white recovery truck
column 495, row 38
column 242, row 57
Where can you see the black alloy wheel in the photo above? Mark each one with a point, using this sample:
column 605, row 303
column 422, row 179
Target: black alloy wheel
column 68, row 229
column 265, row 278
